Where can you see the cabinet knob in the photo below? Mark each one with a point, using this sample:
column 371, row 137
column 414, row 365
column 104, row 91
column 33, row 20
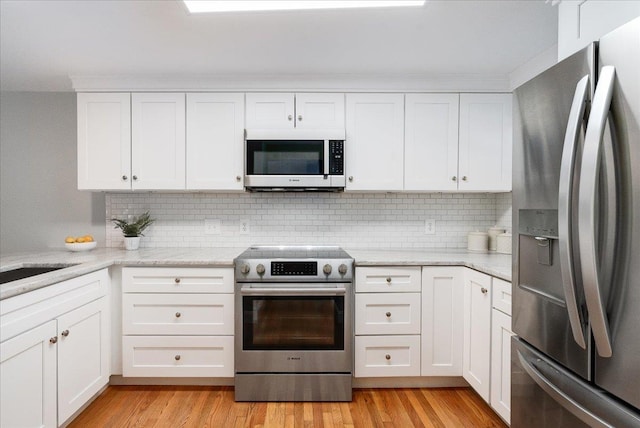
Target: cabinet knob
column 125, row 178
column 54, row 339
column 387, row 357
column 388, row 314
column 454, row 178
column 351, row 178
column 238, row 178
column 65, row 333
column 178, row 314
column 177, row 357
column 135, row 177
column 177, row 280
column 299, row 118
column 484, row 290
column 464, row 178
column 388, row 280
column 290, row 118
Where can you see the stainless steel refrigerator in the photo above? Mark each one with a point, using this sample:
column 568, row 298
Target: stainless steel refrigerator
column 576, row 204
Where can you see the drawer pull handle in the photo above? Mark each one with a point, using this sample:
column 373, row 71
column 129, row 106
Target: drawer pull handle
column 177, row 280
column 177, row 357
column 388, row 357
column 484, row 290
column 54, row 339
column 389, row 280
column 388, row 314
column 65, row 333
column 178, row 314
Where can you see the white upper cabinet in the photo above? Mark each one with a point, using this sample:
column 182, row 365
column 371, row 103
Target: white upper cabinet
column 104, row 141
column 431, row 142
column 215, row 141
column 288, row 111
column 158, row 141
column 485, row 143
column 375, row 142
column 583, row 22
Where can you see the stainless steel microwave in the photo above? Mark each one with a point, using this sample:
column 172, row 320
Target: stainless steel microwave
column 282, row 160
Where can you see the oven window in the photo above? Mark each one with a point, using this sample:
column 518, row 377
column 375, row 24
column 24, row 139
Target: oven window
column 293, row 323
column 305, row 157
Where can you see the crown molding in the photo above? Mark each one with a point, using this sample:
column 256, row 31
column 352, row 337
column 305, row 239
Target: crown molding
column 294, row 82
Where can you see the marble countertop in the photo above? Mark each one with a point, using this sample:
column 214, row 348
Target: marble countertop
column 79, row 263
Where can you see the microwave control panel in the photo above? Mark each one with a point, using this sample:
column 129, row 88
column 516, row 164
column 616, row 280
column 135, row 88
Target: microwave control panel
column 336, row 157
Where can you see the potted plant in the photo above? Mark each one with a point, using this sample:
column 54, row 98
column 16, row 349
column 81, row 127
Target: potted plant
column 132, row 230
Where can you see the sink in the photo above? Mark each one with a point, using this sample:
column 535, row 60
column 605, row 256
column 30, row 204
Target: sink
column 25, row 272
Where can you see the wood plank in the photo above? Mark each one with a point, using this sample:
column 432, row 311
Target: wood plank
column 213, row 407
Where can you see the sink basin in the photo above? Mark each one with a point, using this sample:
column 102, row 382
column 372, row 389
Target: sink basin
column 25, row 272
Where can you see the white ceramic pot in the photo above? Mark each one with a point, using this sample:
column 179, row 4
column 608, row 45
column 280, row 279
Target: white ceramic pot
column 132, row 243
column 493, row 235
column 478, row 242
column 504, row 243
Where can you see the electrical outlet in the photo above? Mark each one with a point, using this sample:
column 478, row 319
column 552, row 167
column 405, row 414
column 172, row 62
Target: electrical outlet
column 212, row 226
column 244, row 227
column 429, row 227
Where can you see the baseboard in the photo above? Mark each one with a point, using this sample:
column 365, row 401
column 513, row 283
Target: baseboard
column 410, row 382
column 182, row 381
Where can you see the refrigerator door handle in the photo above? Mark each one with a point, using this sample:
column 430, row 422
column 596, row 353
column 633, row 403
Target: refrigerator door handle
column 565, row 197
column 557, row 394
column 587, row 206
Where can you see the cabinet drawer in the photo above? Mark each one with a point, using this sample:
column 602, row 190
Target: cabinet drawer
column 386, row 356
column 173, row 314
column 388, row 279
column 389, row 313
column 177, row 280
column 502, row 295
column 173, row 356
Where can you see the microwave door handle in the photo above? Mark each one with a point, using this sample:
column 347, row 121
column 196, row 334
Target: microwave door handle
column 565, row 197
column 587, row 205
column 326, row 157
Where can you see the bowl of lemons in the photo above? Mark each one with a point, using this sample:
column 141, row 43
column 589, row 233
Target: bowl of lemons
column 80, row 243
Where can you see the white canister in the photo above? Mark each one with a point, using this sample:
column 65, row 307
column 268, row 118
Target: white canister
column 504, row 243
column 478, row 241
column 493, row 235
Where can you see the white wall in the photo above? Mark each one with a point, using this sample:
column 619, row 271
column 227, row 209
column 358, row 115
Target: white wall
column 39, row 203
column 366, row 220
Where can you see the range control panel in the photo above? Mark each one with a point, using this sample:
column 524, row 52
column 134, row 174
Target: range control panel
column 294, row 268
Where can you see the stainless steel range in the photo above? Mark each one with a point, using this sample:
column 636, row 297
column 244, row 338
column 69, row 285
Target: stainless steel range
column 294, row 324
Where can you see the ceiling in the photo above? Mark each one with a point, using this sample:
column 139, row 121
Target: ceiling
column 42, row 43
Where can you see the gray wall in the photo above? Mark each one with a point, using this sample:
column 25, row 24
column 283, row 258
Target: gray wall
column 40, row 203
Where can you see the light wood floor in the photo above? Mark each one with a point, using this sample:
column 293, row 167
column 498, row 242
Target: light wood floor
column 214, row 407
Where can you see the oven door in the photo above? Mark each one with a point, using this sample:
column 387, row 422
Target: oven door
column 293, row 329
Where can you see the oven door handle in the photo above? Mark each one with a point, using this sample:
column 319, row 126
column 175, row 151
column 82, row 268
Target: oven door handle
column 294, row 291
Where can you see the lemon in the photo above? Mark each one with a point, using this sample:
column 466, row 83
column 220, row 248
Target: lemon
column 69, row 239
column 88, row 238
column 80, row 240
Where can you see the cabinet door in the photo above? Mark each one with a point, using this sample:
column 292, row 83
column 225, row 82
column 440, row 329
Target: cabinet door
column 442, row 321
column 158, row 142
column 83, row 356
column 485, row 142
column 476, row 362
column 431, row 142
column 28, row 379
column 387, row 313
column 215, row 141
column 270, row 111
column 375, row 142
column 104, row 141
column 501, row 364
column 320, row 111
column 387, row 356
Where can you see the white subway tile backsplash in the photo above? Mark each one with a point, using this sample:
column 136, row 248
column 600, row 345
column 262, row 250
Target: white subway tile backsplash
column 381, row 220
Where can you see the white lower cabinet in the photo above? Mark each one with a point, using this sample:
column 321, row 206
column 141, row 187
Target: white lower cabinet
column 476, row 358
column 28, row 379
column 55, row 352
column 177, row 322
column 442, row 321
column 501, row 349
column 382, row 356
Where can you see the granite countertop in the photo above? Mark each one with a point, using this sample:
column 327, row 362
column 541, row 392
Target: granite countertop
column 80, row 263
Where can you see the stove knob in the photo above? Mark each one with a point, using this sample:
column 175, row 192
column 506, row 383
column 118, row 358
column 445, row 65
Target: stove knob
column 260, row 269
column 245, row 269
column 342, row 269
column 326, row 269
